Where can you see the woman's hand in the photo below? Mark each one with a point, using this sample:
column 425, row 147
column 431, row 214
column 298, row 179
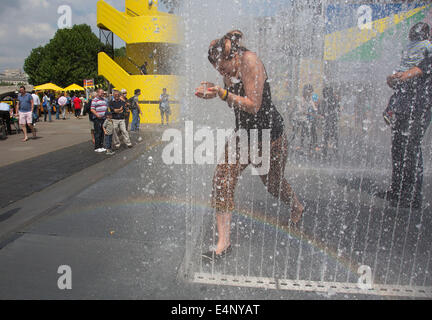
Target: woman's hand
column 206, row 90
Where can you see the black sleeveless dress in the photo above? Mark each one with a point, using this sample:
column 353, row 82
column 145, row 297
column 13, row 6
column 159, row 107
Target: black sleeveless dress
column 266, row 118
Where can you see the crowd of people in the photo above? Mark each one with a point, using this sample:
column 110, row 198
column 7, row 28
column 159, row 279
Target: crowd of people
column 108, row 113
column 29, row 108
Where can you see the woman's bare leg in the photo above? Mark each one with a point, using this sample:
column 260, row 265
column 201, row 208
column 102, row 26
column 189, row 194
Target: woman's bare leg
column 275, row 182
column 223, row 224
column 224, row 183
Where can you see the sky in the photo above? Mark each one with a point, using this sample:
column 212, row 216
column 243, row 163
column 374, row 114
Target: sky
column 27, row 24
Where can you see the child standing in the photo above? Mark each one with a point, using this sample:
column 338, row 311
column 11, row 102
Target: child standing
column 108, row 128
column 418, row 48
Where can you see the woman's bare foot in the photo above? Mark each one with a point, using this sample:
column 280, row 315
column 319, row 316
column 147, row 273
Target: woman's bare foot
column 221, row 247
column 296, row 213
column 24, row 140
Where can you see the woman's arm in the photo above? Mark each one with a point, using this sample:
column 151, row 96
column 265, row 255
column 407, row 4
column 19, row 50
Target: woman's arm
column 253, row 77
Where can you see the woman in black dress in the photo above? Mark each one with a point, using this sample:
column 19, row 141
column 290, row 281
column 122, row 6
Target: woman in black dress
column 247, row 92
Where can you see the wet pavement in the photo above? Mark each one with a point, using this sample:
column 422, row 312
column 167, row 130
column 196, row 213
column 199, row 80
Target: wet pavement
column 122, row 225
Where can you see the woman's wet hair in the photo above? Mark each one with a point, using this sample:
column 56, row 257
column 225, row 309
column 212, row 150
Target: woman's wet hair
column 225, row 47
column 419, row 32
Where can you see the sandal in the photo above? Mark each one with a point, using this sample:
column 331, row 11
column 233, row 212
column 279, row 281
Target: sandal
column 213, row 256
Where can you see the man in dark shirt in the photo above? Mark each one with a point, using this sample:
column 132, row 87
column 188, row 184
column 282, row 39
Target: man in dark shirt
column 412, row 118
column 117, row 108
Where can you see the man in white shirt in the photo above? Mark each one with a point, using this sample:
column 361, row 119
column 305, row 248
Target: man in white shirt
column 36, row 103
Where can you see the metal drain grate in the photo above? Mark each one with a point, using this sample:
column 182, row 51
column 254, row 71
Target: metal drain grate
column 312, row 286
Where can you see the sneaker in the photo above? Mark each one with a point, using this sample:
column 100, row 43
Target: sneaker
column 117, row 146
column 103, row 149
column 129, row 145
column 109, row 152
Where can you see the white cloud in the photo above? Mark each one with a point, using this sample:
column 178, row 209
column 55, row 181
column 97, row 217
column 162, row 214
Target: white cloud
column 2, row 33
column 35, row 3
column 11, row 61
column 36, row 31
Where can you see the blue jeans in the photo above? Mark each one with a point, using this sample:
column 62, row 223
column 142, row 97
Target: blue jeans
column 135, row 120
column 57, row 112
column 108, row 142
column 46, row 110
column 35, row 113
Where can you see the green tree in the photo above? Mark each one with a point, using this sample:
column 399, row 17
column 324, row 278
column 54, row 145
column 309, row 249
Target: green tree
column 32, row 63
column 120, row 52
column 69, row 57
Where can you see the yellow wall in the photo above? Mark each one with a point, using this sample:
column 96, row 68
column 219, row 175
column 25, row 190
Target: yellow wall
column 141, row 7
column 150, row 36
column 151, row 87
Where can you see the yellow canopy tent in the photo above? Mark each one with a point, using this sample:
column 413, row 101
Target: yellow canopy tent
column 74, row 87
column 48, row 86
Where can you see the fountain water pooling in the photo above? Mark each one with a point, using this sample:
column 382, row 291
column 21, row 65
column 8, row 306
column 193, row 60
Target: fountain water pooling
column 349, row 240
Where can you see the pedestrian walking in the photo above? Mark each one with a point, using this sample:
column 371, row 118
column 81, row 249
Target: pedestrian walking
column 24, row 110
column 77, row 107
column 57, row 107
column 46, row 106
column 36, row 103
column 83, row 101
column 62, row 102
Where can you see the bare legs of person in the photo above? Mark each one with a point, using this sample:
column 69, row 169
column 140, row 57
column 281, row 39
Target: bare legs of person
column 224, row 183
column 24, row 129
